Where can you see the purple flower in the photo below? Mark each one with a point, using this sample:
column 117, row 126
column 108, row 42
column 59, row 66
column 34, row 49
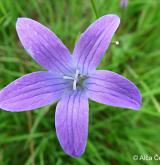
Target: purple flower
column 123, row 3
column 70, row 79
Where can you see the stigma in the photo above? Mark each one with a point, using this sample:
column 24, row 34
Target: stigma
column 77, row 79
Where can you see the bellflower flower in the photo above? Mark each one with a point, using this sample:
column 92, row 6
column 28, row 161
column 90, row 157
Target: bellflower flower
column 71, row 80
column 123, row 3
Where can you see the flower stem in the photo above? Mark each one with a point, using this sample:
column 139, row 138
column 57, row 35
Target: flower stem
column 94, row 8
column 31, row 142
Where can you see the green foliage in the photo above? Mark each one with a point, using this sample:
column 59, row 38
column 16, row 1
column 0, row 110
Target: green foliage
column 115, row 134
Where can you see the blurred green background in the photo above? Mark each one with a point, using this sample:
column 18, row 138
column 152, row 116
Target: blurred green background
column 115, row 134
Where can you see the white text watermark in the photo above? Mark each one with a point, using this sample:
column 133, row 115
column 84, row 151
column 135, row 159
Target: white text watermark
column 147, row 157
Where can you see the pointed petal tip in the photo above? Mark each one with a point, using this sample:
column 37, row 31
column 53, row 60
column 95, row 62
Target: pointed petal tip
column 114, row 16
column 139, row 100
column 136, row 107
column 75, row 155
column 23, row 21
column 19, row 22
column 137, row 104
column 19, row 19
column 70, row 152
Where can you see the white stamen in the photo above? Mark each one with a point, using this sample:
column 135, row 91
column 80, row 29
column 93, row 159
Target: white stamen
column 68, row 78
column 75, row 80
column 76, row 75
column 74, row 84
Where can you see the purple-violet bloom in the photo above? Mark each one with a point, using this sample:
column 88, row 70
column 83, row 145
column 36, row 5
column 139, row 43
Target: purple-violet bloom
column 71, row 80
column 123, row 3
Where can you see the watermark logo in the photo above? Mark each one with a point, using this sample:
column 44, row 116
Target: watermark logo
column 146, row 157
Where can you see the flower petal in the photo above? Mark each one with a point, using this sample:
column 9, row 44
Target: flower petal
column 94, row 42
column 113, row 89
column 71, row 121
column 43, row 45
column 32, row 91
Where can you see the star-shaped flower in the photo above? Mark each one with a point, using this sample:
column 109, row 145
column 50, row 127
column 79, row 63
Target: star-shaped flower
column 71, row 80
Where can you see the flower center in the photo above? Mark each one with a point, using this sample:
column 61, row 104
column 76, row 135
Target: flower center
column 77, row 79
